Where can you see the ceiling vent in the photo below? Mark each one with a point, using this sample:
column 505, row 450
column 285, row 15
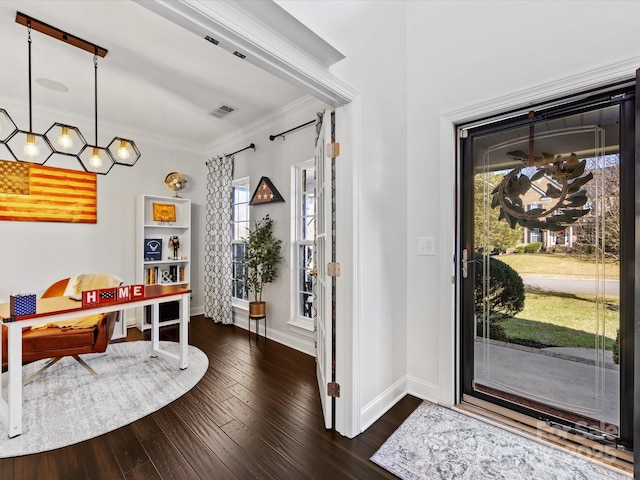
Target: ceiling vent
column 222, row 111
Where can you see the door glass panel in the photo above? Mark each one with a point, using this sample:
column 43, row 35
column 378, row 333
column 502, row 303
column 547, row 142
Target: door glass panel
column 546, row 240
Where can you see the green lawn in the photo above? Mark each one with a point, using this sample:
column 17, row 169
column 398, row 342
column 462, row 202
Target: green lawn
column 558, row 265
column 562, row 320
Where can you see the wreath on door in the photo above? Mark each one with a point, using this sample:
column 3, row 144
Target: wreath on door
column 569, row 197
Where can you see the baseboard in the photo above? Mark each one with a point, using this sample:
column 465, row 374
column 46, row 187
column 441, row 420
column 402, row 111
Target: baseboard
column 287, row 340
column 305, row 346
column 382, row 403
column 293, row 342
column 421, row 389
column 392, row 395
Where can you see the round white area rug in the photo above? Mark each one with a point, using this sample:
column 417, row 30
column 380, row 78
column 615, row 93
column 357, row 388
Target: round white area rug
column 67, row 405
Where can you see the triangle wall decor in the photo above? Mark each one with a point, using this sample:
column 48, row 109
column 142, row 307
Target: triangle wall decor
column 265, row 193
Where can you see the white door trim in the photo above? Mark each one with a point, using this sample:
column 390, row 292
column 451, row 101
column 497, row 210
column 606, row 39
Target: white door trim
column 348, row 318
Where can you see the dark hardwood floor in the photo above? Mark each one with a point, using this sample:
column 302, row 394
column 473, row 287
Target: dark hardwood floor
column 254, row 414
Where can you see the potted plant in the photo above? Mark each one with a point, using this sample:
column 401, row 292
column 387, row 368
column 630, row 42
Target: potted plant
column 262, row 257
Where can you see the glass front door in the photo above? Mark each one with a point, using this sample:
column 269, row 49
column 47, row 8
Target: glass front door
column 543, row 239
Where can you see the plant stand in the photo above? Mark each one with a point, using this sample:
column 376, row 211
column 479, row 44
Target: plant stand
column 257, row 319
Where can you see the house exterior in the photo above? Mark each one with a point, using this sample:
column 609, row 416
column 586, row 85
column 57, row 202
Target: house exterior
column 536, row 197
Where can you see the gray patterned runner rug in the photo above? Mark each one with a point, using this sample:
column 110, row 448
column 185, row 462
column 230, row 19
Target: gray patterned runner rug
column 67, row 405
column 437, row 443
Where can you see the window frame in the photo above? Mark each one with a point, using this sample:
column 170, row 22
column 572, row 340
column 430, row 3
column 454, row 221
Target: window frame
column 297, row 242
column 239, row 182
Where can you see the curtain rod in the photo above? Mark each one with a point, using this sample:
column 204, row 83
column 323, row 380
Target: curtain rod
column 273, row 137
column 253, row 145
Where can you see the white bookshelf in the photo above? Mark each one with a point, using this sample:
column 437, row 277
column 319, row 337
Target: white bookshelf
column 167, row 269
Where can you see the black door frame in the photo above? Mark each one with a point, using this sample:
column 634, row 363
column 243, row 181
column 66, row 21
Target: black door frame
column 635, row 336
column 624, row 95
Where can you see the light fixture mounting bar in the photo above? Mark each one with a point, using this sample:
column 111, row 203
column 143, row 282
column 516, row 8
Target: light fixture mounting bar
column 58, row 34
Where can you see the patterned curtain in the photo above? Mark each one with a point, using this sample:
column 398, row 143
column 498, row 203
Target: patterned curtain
column 218, row 267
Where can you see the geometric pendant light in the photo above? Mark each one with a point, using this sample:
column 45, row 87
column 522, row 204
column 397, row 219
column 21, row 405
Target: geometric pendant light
column 7, row 127
column 65, row 139
column 92, row 157
column 28, row 146
column 60, row 138
column 124, row 151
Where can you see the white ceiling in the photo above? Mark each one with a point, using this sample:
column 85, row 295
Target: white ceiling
column 157, row 77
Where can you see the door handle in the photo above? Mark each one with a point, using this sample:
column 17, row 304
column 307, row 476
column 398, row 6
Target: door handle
column 463, row 263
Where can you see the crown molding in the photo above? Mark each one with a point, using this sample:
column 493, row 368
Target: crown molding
column 235, row 31
column 279, row 19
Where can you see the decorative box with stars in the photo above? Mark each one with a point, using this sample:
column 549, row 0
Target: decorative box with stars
column 22, row 304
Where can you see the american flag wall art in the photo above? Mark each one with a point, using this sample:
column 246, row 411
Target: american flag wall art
column 36, row 193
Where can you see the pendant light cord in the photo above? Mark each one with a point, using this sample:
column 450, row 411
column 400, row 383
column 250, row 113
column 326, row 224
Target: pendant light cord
column 95, row 69
column 29, row 42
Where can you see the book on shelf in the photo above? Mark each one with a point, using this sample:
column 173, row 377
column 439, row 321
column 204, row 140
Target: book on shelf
column 151, row 275
column 172, row 274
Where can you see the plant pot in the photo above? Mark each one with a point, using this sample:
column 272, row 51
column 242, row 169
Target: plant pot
column 257, row 309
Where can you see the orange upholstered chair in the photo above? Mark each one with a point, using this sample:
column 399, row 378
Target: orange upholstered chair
column 56, row 342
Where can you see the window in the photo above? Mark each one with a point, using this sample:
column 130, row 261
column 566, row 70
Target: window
column 239, row 229
column 304, row 188
column 535, row 234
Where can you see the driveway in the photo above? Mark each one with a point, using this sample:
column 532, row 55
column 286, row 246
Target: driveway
column 570, row 285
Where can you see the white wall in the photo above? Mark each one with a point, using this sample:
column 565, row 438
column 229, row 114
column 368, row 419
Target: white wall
column 461, row 54
column 35, row 254
column 372, row 37
column 274, row 159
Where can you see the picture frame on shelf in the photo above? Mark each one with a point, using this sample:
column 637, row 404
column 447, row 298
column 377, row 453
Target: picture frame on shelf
column 152, row 249
column 164, row 212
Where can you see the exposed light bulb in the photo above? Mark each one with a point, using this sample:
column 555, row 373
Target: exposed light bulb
column 95, row 161
column 64, row 140
column 30, row 148
column 123, row 152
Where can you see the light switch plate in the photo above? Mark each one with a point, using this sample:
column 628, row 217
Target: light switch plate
column 426, row 246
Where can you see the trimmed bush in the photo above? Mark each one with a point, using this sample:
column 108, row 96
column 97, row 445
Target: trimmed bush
column 519, row 249
column 505, row 296
column 588, row 249
column 533, row 247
